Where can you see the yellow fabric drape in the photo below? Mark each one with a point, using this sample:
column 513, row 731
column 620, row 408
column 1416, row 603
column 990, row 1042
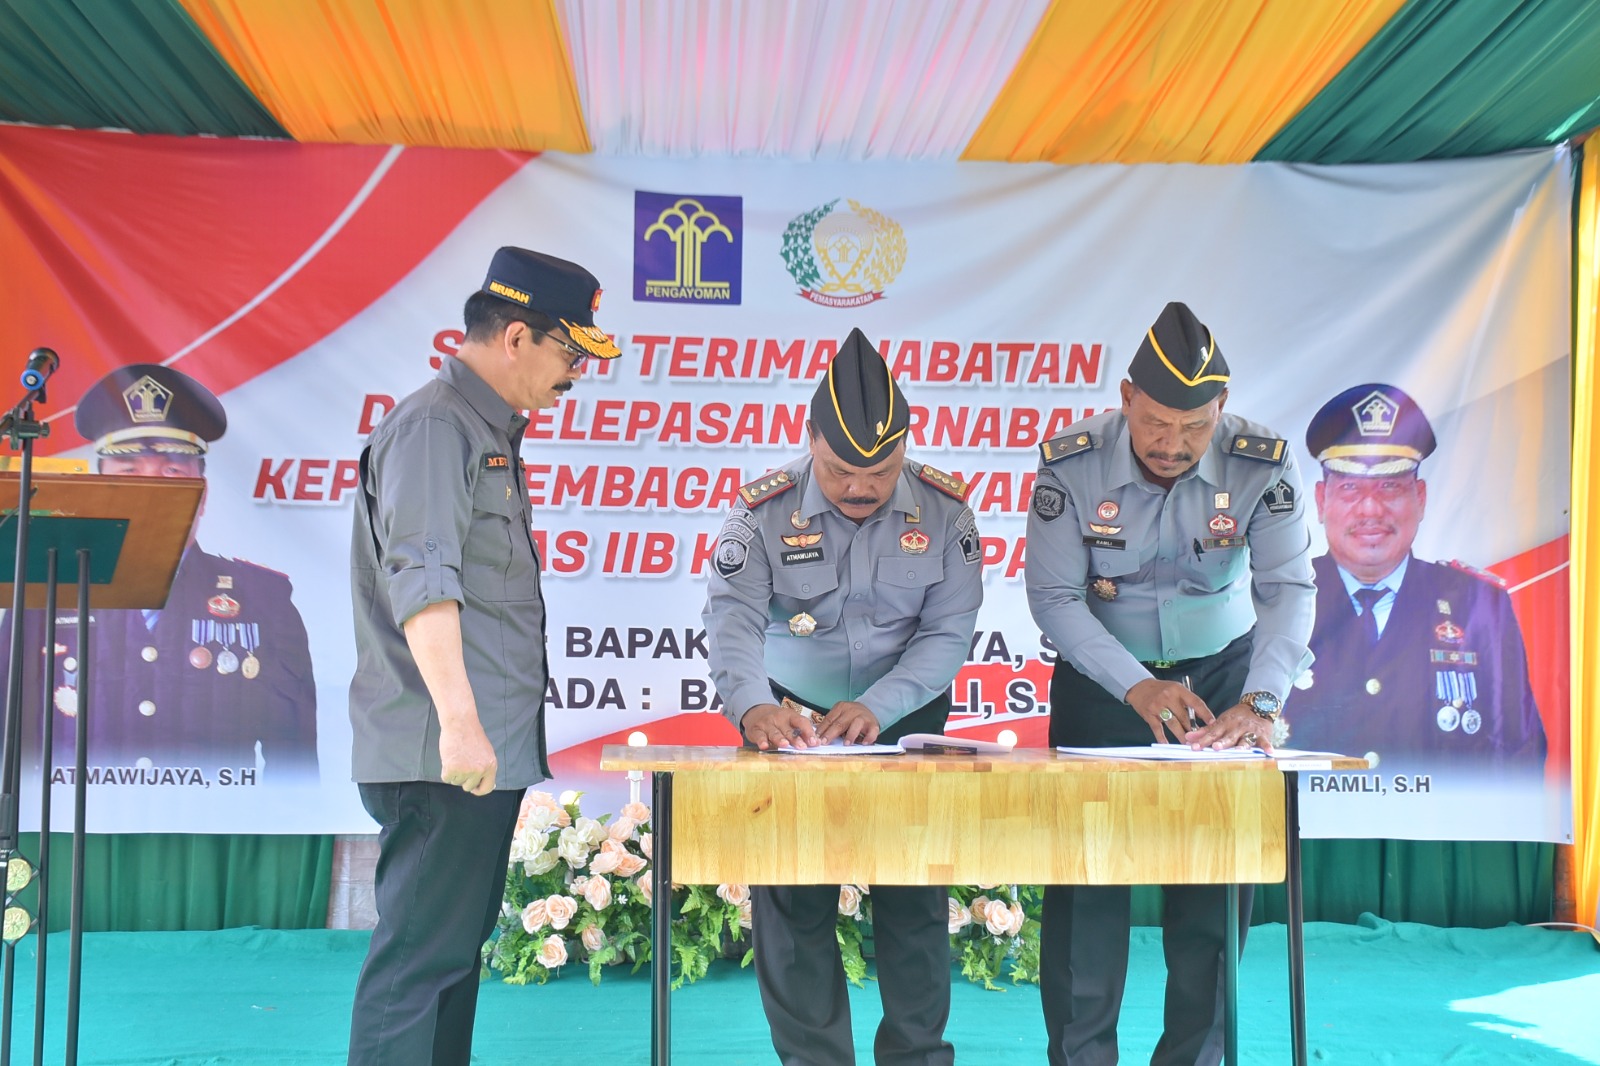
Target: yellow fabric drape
column 1586, row 548
column 1162, row 80
column 468, row 74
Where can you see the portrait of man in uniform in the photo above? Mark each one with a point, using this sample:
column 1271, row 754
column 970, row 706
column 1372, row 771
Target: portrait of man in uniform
column 1418, row 661
column 217, row 679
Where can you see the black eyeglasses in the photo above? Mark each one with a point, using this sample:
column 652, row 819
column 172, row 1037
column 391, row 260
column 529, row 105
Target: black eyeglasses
column 578, row 354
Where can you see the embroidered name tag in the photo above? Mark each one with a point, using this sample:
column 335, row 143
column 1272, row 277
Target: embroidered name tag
column 1106, row 542
column 496, row 462
column 803, row 555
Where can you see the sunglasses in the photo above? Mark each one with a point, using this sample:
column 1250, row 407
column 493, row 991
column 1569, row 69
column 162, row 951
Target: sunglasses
column 578, row 355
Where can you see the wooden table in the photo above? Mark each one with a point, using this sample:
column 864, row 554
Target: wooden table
column 1030, row 816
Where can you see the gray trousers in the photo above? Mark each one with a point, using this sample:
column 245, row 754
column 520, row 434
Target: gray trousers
column 803, row 985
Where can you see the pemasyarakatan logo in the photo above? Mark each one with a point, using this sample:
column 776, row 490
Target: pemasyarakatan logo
column 687, row 249
column 843, row 258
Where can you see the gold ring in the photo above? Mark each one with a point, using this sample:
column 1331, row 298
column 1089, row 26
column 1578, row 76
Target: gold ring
column 1250, row 739
column 1166, row 714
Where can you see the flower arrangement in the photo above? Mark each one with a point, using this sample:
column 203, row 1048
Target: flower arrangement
column 990, row 924
column 578, row 891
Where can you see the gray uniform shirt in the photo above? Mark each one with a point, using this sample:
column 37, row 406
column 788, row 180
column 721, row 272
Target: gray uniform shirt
column 443, row 515
column 894, row 599
column 1189, row 570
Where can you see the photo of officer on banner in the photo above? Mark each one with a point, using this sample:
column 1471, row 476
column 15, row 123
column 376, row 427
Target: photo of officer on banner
column 218, row 680
column 1416, row 660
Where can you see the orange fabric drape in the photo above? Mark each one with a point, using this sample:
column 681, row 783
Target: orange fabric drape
column 1156, row 80
column 471, row 74
column 1586, row 546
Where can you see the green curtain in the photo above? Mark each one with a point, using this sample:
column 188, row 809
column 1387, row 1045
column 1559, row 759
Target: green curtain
column 164, row 881
column 171, row 881
column 1434, row 882
column 1445, row 79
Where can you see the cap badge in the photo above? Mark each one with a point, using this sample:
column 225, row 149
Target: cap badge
column 1108, row 510
column 148, row 400
column 1376, row 415
column 914, row 542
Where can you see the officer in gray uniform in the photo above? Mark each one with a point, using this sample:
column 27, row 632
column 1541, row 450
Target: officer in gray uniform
column 847, row 582
column 446, row 704
column 219, row 678
column 1419, row 663
column 1169, row 563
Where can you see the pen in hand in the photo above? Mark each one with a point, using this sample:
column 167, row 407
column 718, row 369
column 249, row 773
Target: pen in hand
column 1194, row 722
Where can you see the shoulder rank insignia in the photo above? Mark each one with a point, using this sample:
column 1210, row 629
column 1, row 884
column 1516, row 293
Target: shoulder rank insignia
column 1065, row 445
column 1266, row 449
column 950, row 486
column 1481, row 575
column 766, row 487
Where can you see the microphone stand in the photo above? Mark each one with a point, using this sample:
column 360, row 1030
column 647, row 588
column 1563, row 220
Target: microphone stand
column 20, row 429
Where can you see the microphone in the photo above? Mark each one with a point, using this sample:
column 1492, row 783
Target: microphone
column 42, row 362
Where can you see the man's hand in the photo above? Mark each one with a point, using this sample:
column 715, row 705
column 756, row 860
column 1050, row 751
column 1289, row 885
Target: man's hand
column 1236, row 727
column 851, row 721
column 768, row 726
column 467, row 759
column 1167, row 707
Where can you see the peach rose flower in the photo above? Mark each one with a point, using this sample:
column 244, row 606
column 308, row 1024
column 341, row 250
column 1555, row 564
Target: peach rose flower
column 594, row 938
column 553, row 952
column 850, row 901
column 636, row 811
column 561, row 910
column 734, row 894
column 609, row 857
column 645, row 844
column 621, row 828
column 597, row 890
column 630, row 865
column 960, row 917
column 746, row 915
column 1002, row 920
column 644, row 889
column 977, row 907
column 535, row 917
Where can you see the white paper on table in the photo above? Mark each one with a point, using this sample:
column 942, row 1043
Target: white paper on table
column 839, row 747
column 1168, row 753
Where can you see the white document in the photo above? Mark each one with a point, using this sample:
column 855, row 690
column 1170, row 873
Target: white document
column 1167, row 753
column 937, row 743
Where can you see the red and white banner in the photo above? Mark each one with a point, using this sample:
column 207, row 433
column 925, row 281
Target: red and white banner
column 310, row 286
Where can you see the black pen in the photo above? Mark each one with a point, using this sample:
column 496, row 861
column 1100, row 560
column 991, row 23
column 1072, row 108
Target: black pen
column 1198, row 551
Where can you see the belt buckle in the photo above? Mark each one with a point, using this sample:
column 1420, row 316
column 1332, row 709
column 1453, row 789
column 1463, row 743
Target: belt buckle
column 1162, row 664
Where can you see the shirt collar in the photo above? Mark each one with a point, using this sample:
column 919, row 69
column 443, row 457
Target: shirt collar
column 1125, row 469
column 489, row 405
column 1390, row 582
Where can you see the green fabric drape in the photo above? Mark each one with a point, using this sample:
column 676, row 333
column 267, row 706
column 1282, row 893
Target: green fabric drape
column 1434, row 882
column 141, row 65
column 172, row 881
column 166, row 881
column 1444, row 79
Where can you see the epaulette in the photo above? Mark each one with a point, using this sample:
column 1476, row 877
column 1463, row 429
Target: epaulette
column 1481, row 575
column 766, row 487
column 1266, row 449
column 1065, row 445
column 950, row 486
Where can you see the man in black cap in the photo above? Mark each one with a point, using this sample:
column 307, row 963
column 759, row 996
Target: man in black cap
column 1418, row 663
column 219, row 678
column 447, row 700
column 1169, row 564
column 842, row 601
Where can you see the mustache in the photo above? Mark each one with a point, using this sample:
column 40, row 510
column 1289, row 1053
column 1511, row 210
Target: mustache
column 565, row 386
column 860, row 501
column 1172, row 457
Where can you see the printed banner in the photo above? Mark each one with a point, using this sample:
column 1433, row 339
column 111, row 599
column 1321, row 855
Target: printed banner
column 310, row 287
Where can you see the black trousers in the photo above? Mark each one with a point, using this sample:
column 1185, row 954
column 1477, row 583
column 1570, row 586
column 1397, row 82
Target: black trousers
column 439, row 884
column 801, row 977
column 1084, row 935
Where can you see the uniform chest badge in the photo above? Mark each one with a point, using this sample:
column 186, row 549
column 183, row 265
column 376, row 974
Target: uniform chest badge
column 802, row 540
column 802, row 625
column 1220, row 501
column 1223, row 526
column 223, row 606
column 914, row 542
column 1105, row 531
column 1108, row 510
column 1104, row 587
column 1448, row 632
column 799, row 521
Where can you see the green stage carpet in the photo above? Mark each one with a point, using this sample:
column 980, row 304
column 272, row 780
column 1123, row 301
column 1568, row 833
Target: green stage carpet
column 1378, row 993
